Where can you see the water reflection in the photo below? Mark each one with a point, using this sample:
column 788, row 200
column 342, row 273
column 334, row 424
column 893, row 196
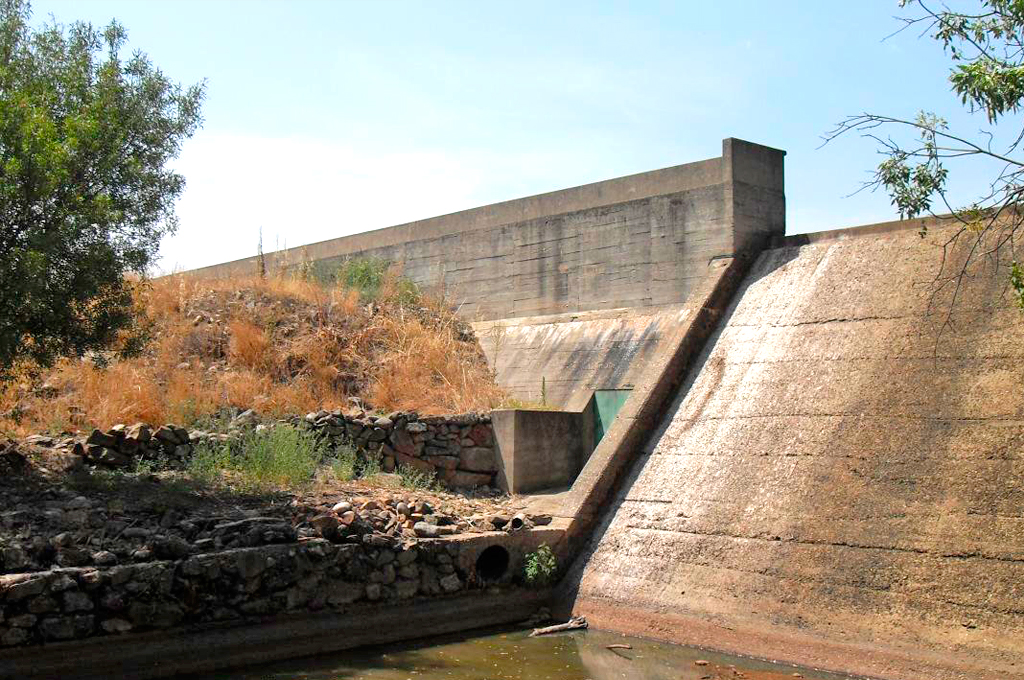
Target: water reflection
column 580, row 655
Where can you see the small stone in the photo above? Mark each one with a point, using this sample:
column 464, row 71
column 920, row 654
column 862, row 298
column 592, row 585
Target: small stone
column 171, row 548
column 100, row 438
column 450, row 583
column 14, row 558
column 61, row 583
column 24, row 587
column 326, row 526
column 116, row 626
column 78, row 503
column 109, row 457
column 57, row 629
column 341, row 506
column 75, row 601
column 140, row 432
column 42, row 605
column 373, row 591
column 22, row 621
column 14, row 636
column 405, row 589
column 166, row 434
column 104, row 558
column 344, row 593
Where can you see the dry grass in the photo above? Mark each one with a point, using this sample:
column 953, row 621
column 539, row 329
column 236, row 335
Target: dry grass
column 281, row 346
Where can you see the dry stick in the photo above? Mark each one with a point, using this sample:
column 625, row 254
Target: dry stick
column 574, row 623
column 618, row 646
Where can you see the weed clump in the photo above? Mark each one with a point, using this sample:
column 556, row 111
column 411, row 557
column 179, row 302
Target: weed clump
column 260, row 460
column 540, row 567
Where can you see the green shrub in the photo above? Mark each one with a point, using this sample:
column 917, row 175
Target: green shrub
column 540, row 567
column 274, row 457
column 413, row 478
column 369, row 275
column 342, row 464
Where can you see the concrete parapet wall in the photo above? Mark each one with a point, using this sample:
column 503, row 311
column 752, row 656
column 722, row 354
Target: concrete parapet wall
column 636, row 241
column 838, row 481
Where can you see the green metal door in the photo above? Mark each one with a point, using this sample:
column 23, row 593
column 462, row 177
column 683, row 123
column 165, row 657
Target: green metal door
column 607, row 404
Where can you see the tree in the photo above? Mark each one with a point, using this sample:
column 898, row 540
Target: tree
column 986, row 50
column 85, row 192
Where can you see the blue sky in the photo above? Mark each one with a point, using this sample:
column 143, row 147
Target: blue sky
column 330, row 118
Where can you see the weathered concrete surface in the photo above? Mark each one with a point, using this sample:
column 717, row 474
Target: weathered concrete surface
column 659, row 381
column 540, row 450
column 636, row 241
column 839, row 481
column 568, row 356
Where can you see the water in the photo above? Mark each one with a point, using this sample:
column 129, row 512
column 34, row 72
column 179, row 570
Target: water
column 579, row 655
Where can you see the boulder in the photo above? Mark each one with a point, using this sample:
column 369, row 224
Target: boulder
column 403, row 442
column 478, row 459
column 444, row 462
column 417, row 463
column 140, row 432
column 482, row 435
column 100, row 438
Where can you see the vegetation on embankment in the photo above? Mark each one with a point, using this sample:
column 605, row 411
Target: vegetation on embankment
column 279, row 345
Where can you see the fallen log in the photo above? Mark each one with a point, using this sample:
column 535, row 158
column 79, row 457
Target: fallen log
column 574, row 623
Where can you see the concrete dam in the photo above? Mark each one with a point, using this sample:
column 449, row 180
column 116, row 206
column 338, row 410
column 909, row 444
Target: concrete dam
column 800, row 448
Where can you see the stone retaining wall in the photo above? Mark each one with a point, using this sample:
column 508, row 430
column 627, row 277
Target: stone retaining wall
column 313, row 575
column 458, row 449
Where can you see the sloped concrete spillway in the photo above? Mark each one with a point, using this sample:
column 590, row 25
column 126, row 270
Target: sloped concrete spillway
column 839, row 479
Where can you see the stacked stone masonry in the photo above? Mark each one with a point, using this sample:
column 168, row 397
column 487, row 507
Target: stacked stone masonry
column 233, row 585
column 458, row 450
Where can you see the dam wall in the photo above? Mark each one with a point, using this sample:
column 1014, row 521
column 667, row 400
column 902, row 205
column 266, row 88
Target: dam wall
column 638, row 241
column 838, row 479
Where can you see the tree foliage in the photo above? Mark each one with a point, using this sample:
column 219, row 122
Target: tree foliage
column 986, row 52
column 85, row 191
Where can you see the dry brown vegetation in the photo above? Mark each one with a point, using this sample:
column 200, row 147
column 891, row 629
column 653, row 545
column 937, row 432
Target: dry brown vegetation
column 279, row 345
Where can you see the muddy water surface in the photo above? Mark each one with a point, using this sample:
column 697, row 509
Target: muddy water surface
column 579, row 655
